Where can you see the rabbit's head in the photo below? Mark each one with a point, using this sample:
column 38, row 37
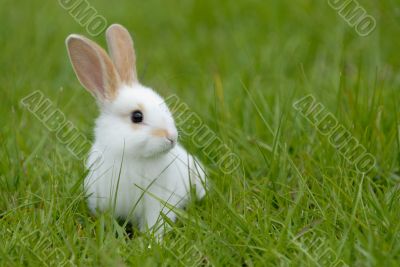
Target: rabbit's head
column 133, row 118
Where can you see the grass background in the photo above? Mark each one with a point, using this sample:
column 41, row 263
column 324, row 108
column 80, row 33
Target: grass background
column 240, row 65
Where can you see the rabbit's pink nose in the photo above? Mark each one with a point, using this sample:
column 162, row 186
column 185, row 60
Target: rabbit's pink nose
column 172, row 141
column 172, row 137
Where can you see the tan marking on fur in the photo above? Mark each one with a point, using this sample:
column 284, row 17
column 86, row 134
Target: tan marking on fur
column 135, row 126
column 120, row 46
column 159, row 133
column 141, row 107
column 93, row 67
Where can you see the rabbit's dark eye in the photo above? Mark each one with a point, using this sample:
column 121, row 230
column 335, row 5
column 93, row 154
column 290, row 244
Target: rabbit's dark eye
column 137, row 116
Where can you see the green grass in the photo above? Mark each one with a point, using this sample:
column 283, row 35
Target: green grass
column 294, row 201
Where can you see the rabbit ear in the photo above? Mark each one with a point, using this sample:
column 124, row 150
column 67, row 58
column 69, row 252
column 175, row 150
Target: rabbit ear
column 93, row 67
column 120, row 46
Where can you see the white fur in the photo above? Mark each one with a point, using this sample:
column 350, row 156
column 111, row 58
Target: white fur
column 133, row 173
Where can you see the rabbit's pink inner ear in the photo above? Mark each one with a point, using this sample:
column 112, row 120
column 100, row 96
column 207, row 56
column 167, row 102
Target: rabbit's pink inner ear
column 93, row 67
column 87, row 66
column 121, row 49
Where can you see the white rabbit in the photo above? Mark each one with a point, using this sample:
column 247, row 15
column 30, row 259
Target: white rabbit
column 136, row 167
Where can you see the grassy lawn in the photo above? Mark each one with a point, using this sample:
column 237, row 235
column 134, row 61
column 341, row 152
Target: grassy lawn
column 294, row 200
